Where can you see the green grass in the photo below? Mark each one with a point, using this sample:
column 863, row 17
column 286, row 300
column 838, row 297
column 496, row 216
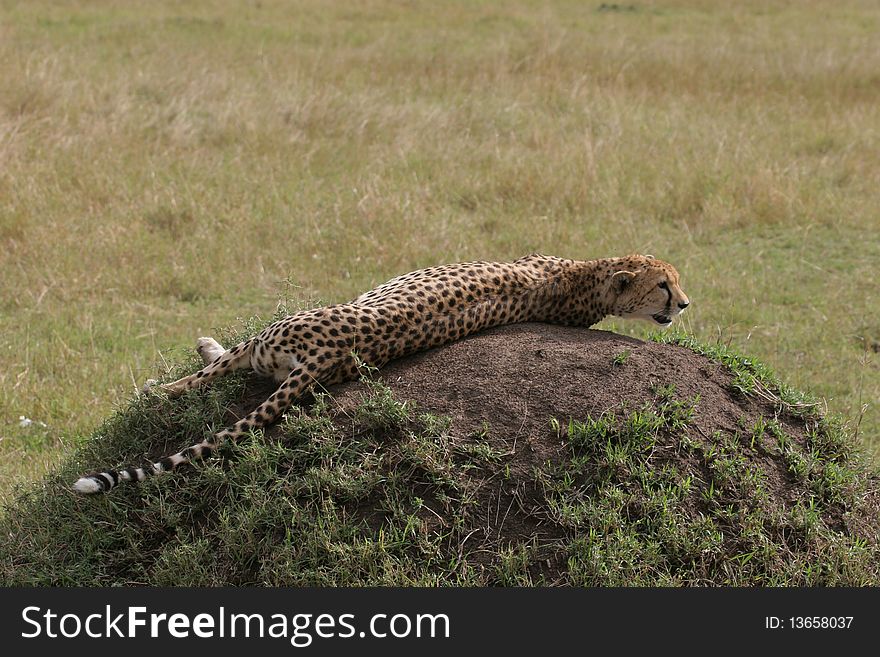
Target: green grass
column 386, row 494
column 166, row 168
column 621, row 358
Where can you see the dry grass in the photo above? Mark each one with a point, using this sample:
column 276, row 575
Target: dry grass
column 165, row 168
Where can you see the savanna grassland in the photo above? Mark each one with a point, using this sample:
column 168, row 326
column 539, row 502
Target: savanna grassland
column 167, row 168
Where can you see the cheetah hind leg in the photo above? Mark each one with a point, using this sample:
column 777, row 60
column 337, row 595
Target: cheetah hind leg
column 218, row 361
column 209, row 349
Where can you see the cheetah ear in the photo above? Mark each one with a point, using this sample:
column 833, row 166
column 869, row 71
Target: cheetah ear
column 620, row 280
column 649, row 256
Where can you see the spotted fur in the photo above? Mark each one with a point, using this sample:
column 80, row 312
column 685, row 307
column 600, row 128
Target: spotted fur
column 417, row 311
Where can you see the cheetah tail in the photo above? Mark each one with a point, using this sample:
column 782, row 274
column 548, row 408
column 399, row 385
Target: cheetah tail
column 102, row 482
column 106, row 480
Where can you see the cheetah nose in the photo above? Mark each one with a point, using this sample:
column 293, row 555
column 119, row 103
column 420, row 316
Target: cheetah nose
column 684, row 304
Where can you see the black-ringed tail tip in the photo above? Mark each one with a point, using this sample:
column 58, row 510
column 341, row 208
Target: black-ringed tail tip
column 91, row 485
column 103, row 482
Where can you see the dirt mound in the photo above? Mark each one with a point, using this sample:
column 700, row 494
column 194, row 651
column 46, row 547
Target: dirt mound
column 516, row 378
column 738, row 459
column 512, row 382
column 530, row 454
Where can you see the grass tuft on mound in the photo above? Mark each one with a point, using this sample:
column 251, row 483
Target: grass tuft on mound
column 388, row 492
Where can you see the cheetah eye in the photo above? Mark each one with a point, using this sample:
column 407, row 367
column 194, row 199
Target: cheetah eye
column 663, row 286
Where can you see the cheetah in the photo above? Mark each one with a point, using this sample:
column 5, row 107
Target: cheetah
column 413, row 312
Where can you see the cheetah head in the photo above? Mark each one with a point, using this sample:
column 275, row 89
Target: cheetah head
column 646, row 288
